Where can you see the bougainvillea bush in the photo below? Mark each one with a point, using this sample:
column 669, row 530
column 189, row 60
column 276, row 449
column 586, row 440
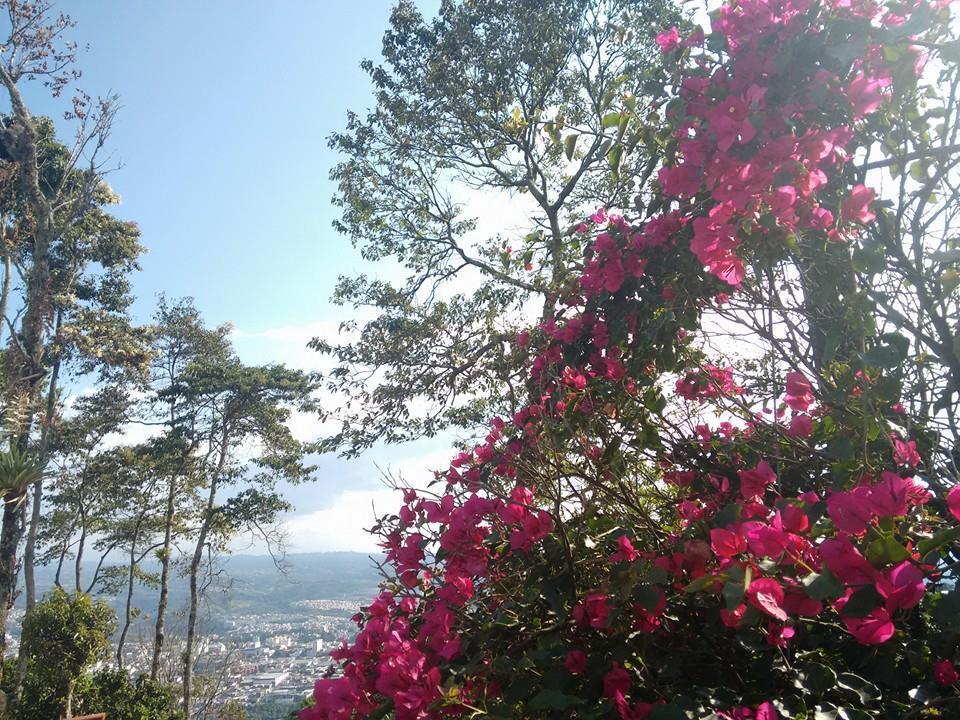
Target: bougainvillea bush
column 733, row 492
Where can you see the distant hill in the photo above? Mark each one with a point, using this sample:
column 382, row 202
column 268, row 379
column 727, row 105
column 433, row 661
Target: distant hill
column 253, row 584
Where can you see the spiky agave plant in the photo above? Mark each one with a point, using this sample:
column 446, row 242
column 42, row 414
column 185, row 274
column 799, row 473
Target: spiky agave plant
column 18, row 470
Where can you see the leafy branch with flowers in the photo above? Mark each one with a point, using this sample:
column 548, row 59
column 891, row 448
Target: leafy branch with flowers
column 677, row 525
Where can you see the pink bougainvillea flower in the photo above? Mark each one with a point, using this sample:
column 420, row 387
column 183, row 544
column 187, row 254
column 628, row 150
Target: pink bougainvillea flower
column 856, row 206
column 536, row 526
column 953, row 501
column 333, row 698
column 639, row 711
column 798, row 603
column 668, row 40
column 846, row 562
column 875, row 628
column 617, row 680
column 765, row 540
column 767, row 595
column 732, row 618
column 905, row 452
column 945, row 673
column 625, row 551
column 850, row 511
column 779, row 635
column 901, row 586
column 800, row 426
column 646, row 618
column 888, row 498
column 726, row 543
column 575, row 662
column 754, row 483
column 593, row 610
column 866, row 93
column 766, row 711
column 799, row 395
column 794, row 518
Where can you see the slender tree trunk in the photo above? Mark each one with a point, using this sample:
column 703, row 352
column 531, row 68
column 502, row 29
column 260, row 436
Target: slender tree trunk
column 68, row 714
column 194, row 602
column 79, row 559
column 30, row 549
column 194, row 570
column 5, row 288
column 128, row 607
column 60, row 561
column 9, row 539
column 158, row 637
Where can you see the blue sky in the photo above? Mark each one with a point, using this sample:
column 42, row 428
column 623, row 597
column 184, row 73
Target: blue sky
column 226, row 107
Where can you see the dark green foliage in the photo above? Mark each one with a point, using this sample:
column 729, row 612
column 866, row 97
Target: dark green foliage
column 114, row 692
column 62, row 637
column 519, row 100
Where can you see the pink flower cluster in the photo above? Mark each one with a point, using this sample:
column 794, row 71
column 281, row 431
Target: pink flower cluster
column 761, row 155
column 763, row 142
column 707, row 384
column 779, row 538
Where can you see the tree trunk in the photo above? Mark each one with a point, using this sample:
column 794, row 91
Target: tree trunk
column 5, row 289
column 79, row 558
column 9, row 539
column 60, row 561
column 128, row 607
column 68, row 710
column 30, row 549
column 194, row 569
column 194, row 602
column 158, row 637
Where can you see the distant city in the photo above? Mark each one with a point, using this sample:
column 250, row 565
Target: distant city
column 267, row 634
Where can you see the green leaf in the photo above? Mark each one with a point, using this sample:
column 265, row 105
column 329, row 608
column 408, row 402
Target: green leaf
column 884, row 356
column 727, row 516
column 570, row 145
column 816, row 678
column 825, row 711
column 946, row 612
column 702, row 582
column 613, row 157
column 552, row 699
column 866, row 690
column 610, row 120
column 918, row 171
column 939, row 540
column 649, row 596
column 667, row 712
column 733, row 594
column 823, row 585
column 840, row 448
column 863, row 602
column 853, row 714
column 886, row 551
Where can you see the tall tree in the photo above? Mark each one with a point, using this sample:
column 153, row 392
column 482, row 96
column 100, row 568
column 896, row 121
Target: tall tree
column 54, row 235
column 85, row 499
column 92, row 332
column 180, row 341
column 509, row 98
column 240, row 417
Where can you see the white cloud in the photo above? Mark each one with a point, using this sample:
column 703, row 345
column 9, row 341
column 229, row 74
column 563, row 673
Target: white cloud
column 342, row 525
column 286, row 344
